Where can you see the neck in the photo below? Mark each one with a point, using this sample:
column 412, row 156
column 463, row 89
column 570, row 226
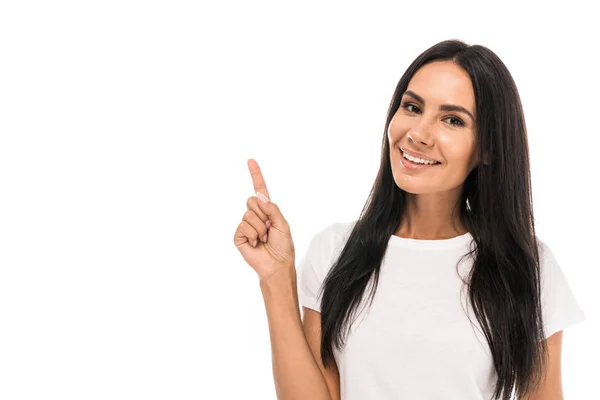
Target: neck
column 431, row 216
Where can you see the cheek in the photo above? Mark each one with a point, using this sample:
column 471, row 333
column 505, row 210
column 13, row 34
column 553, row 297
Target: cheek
column 457, row 150
column 391, row 132
column 398, row 126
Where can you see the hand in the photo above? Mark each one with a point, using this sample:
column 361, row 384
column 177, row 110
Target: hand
column 264, row 221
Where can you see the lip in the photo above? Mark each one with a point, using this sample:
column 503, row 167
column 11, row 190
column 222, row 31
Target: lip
column 419, row 155
column 413, row 166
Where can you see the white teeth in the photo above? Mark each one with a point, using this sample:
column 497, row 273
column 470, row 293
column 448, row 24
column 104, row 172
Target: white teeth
column 417, row 160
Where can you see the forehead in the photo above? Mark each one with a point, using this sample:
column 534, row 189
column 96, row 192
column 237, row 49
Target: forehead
column 443, row 82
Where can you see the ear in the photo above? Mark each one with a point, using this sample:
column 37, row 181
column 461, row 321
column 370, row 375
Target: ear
column 479, row 161
column 486, row 159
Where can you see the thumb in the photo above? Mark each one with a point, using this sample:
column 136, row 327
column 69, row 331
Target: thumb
column 272, row 210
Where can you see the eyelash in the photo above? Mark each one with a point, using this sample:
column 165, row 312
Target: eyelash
column 406, row 105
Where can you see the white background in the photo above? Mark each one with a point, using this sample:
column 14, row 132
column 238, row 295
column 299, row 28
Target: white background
column 125, row 131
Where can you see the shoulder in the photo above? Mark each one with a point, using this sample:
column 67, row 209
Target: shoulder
column 553, row 276
column 560, row 307
column 337, row 231
column 334, row 235
column 327, row 243
column 545, row 252
column 550, row 269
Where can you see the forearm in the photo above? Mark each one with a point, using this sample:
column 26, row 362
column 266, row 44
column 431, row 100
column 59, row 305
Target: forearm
column 295, row 371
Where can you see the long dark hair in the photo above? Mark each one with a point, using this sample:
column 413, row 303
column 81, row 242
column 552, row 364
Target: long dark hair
column 495, row 206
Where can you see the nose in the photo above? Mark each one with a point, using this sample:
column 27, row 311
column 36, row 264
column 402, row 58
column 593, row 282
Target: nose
column 418, row 136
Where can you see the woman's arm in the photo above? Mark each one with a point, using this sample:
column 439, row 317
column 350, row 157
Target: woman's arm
column 551, row 385
column 296, row 373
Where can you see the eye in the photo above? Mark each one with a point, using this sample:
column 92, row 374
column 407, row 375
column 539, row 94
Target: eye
column 411, row 107
column 407, row 105
column 459, row 123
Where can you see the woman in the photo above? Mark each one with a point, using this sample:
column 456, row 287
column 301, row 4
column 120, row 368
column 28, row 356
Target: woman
column 464, row 301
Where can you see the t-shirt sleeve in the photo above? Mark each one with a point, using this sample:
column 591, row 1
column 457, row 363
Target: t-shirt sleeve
column 560, row 308
column 310, row 271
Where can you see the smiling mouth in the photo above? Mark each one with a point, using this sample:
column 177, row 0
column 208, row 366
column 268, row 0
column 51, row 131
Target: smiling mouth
column 417, row 160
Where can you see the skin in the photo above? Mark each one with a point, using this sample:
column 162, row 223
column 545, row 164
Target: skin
column 445, row 136
column 433, row 193
column 551, row 386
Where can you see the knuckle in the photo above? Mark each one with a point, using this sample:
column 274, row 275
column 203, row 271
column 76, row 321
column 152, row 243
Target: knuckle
column 251, row 201
column 248, row 214
column 247, row 230
column 277, row 210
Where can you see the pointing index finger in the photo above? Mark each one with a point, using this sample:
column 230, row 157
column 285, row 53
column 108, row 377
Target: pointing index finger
column 257, row 178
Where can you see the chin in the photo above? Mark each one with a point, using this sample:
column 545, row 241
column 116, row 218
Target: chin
column 416, row 190
column 413, row 187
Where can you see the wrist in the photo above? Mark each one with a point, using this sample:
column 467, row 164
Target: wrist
column 282, row 277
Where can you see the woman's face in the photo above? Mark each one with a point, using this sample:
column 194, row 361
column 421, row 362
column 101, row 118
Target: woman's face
column 431, row 122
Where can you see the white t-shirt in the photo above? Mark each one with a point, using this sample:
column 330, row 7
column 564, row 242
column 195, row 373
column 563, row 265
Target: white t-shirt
column 416, row 341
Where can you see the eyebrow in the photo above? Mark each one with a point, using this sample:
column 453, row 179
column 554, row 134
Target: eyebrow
column 443, row 107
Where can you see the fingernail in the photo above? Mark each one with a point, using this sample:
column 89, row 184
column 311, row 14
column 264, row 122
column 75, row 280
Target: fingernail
column 254, row 244
column 264, row 239
column 262, row 197
column 268, row 224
